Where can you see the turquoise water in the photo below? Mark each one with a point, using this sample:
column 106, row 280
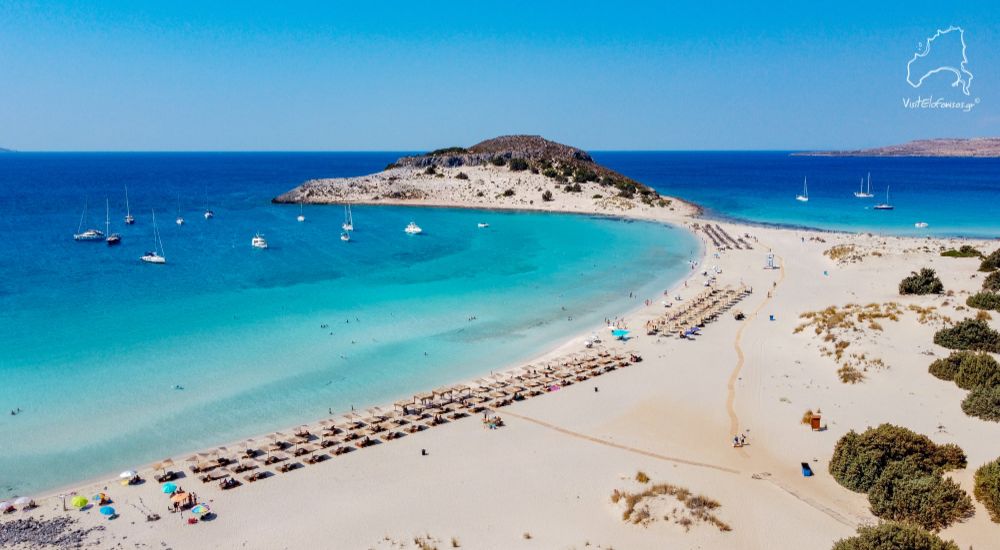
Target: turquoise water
column 93, row 341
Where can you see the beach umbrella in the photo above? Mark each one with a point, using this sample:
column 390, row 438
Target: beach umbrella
column 200, row 510
column 127, row 474
column 22, row 501
column 179, row 497
column 5, row 504
column 78, row 501
column 168, row 488
column 107, row 511
column 99, row 497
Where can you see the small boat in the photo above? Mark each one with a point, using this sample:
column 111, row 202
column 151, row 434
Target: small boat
column 885, row 205
column 413, row 229
column 154, row 256
column 920, row 225
column 209, row 214
column 258, row 241
column 482, row 225
column 113, row 238
column 129, row 220
column 345, row 236
column 348, row 224
column 804, row 197
column 90, row 234
column 180, row 220
column 862, row 193
column 302, row 216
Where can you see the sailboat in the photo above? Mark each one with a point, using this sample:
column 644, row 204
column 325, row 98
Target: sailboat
column 804, row 197
column 345, row 236
column 113, row 238
column 208, row 211
column 413, row 229
column 180, row 220
column 862, row 193
column 129, row 220
column 154, row 256
column 90, row 234
column 348, row 224
column 302, row 216
column 885, row 205
column 258, row 241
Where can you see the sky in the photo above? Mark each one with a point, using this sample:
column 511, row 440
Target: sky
column 232, row 76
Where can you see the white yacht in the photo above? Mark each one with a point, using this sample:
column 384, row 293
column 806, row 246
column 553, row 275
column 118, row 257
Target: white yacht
column 89, row 234
column 481, row 225
column 209, row 214
column 345, row 236
column 862, row 193
column 302, row 216
column 154, row 256
column 804, row 197
column 348, row 224
column 413, row 229
column 129, row 220
column 921, row 225
column 258, row 241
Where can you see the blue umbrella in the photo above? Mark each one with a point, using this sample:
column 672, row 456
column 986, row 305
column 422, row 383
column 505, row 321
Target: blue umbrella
column 619, row 333
column 107, row 511
column 169, row 488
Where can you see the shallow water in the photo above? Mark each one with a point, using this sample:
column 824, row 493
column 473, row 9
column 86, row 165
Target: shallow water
column 93, row 342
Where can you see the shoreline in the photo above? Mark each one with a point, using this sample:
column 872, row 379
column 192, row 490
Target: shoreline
column 558, row 348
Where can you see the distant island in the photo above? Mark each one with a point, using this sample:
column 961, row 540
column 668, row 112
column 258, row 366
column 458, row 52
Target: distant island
column 942, row 147
column 2, row 150
column 518, row 172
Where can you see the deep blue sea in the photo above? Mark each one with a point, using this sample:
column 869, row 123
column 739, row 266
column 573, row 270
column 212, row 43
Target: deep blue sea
column 953, row 196
column 94, row 342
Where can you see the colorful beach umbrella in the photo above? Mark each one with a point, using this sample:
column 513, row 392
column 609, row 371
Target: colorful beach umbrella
column 99, row 497
column 78, row 501
column 107, row 511
column 200, row 510
column 168, row 488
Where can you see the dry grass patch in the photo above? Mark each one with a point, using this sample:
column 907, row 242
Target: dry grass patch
column 670, row 503
column 840, row 327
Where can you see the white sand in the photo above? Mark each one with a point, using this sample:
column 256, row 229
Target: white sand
column 551, row 471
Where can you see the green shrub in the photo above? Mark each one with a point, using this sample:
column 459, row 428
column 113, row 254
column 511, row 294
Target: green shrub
column 430, row 170
column 991, row 262
column 461, row 176
column 974, row 334
column 992, row 282
column 966, row 251
column 518, row 165
column 859, row 459
column 905, row 492
column 977, row 369
column 584, row 174
column 550, row 173
column 984, row 300
column 498, row 161
column 894, row 536
column 983, row 402
column 448, row 151
column 924, row 282
column 947, row 368
column 987, row 488
column 547, row 196
column 508, row 192
column 573, row 188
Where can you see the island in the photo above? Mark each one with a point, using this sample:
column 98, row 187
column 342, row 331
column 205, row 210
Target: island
column 986, row 147
column 517, row 172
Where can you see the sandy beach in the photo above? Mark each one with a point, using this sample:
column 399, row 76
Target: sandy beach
column 546, row 478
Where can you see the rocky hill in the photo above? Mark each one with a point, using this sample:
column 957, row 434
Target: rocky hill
column 943, row 147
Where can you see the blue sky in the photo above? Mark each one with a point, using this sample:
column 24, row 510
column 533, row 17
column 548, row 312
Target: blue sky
column 253, row 75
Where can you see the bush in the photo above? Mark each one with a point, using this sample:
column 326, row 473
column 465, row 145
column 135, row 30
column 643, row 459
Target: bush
column 498, row 161
column 984, row 300
column 894, row 536
column 508, row 192
column 987, row 488
column 991, row 262
column 448, row 151
column 905, row 492
column 573, row 188
column 859, row 459
column 550, row 173
column 547, row 196
column 924, row 282
column 984, row 403
column 977, row 369
column 974, row 334
column 430, row 170
column 461, row 176
column 518, row 165
column 947, row 368
column 992, row 282
column 966, row 251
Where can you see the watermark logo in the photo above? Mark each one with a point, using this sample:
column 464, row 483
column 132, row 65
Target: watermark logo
column 943, row 54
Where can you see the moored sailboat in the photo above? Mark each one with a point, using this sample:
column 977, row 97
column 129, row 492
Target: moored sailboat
column 804, row 197
column 155, row 256
column 89, row 234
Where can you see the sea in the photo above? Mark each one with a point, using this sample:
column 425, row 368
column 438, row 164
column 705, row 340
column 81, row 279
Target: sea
column 110, row 363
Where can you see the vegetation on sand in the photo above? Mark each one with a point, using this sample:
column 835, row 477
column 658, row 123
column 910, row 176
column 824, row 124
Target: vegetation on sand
column 972, row 334
column 924, row 282
column 987, row 488
column 894, row 536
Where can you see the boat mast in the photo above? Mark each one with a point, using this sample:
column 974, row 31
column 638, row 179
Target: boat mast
column 82, row 216
column 128, row 211
column 107, row 217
